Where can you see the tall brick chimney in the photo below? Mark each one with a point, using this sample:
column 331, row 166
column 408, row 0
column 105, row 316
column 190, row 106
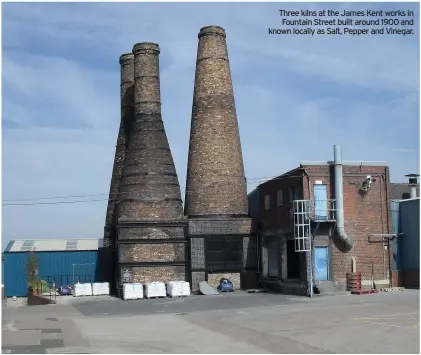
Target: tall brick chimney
column 126, row 99
column 216, row 183
column 151, row 228
column 149, row 188
column 221, row 243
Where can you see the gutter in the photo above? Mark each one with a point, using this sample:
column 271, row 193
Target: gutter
column 341, row 239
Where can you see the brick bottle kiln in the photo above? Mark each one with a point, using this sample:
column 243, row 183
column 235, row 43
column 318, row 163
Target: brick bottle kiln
column 126, row 99
column 151, row 238
column 219, row 228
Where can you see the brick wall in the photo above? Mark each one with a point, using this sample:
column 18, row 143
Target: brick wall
column 279, row 216
column 130, row 253
column 364, row 214
column 162, row 274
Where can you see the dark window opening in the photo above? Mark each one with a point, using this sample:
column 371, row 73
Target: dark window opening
column 405, row 196
column 293, row 261
column 224, row 253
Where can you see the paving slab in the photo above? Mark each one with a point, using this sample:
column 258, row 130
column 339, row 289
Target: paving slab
column 20, row 337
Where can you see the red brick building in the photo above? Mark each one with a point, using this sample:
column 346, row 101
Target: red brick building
column 275, row 209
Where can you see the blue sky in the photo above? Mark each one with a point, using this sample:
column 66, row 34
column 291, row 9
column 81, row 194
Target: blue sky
column 296, row 96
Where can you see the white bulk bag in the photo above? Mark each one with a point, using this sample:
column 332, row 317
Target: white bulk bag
column 138, row 290
column 77, row 290
column 185, row 288
column 155, row 289
column 128, row 292
column 105, row 288
column 87, row 289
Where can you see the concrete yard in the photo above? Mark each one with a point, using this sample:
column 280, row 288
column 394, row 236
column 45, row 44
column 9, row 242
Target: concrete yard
column 230, row 323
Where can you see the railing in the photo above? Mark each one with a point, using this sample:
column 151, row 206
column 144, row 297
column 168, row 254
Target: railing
column 323, row 210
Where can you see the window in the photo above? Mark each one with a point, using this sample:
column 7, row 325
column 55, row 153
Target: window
column 291, row 193
column 294, row 193
column 280, row 198
column 224, row 253
column 405, row 196
column 267, row 202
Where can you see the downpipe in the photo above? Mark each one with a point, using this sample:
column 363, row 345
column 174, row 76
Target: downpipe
column 341, row 239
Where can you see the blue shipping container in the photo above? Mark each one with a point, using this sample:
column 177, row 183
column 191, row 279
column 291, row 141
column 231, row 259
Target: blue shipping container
column 62, row 267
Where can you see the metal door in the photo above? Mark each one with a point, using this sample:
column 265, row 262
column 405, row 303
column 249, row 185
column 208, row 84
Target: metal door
column 320, row 202
column 272, row 257
column 321, row 261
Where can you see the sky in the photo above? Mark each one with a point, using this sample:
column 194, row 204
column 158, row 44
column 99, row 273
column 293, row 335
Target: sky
column 296, row 97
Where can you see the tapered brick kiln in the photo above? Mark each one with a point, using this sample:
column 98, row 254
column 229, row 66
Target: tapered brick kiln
column 151, row 227
column 126, row 99
column 216, row 196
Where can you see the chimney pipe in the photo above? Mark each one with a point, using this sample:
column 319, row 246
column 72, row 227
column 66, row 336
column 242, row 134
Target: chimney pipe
column 341, row 239
column 413, row 183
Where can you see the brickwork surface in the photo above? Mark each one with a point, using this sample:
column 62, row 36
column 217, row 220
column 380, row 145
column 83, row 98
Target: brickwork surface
column 126, row 99
column 197, row 247
column 227, row 226
column 197, row 277
column 151, row 233
column 160, row 274
column 151, row 252
column 215, row 176
column 235, row 278
column 220, row 226
column 149, row 186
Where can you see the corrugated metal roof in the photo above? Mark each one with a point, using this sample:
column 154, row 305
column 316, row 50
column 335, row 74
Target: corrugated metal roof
column 53, row 245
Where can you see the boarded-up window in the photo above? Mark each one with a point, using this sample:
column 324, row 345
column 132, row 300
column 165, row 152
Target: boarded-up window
column 280, row 198
column 267, row 202
column 224, row 253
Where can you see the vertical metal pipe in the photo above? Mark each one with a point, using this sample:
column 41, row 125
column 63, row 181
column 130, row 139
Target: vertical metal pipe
column 413, row 192
column 342, row 241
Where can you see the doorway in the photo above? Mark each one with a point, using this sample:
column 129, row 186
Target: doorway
column 320, row 202
column 293, row 261
column 321, row 263
column 272, row 248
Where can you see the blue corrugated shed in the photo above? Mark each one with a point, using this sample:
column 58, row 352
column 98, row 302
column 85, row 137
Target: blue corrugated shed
column 60, row 266
column 394, row 213
column 408, row 244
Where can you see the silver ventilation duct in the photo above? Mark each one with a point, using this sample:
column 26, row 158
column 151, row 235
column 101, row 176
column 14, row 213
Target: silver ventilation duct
column 341, row 239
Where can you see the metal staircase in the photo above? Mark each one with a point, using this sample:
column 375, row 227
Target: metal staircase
column 308, row 215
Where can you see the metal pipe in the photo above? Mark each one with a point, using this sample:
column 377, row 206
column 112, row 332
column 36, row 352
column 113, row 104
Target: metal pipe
column 413, row 191
column 341, row 239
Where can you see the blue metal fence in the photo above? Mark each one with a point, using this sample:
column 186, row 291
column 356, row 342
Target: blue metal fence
column 58, row 266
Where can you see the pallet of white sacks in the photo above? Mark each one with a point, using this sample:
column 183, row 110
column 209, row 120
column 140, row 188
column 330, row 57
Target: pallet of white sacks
column 178, row 289
column 82, row 289
column 132, row 291
column 100, row 289
column 155, row 290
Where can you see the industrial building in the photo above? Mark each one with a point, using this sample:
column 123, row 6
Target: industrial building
column 61, row 261
column 338, row 211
